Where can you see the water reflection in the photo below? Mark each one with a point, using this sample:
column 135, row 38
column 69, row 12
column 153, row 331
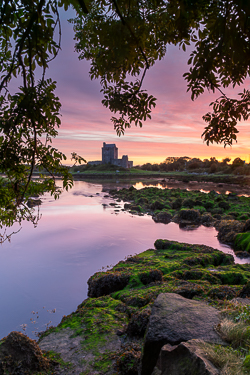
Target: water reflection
column 47, row 267
column 204, row 187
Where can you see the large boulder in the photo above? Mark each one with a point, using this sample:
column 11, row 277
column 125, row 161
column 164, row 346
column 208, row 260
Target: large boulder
column 186, row 358
column 175, row 319
column 19, row 355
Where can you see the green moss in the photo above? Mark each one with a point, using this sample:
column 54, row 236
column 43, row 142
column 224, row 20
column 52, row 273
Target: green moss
column 243, row 217
column 134, row 282
column 153, row 200
column 201, row 209
column 246, row 363
column 57, row 358
column 103, row 362
column 232, row 278
column 193, row 271
column 242, row 242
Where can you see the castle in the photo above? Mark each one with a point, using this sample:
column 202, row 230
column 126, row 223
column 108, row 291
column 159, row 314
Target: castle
column 110, row 155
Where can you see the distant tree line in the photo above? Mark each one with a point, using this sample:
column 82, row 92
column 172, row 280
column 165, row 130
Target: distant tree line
column 212, row 165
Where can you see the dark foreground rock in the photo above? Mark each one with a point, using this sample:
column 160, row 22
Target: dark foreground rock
column 175, row 319
column 186, row 358
column 20, row 355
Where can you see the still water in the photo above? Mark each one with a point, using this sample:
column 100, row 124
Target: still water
column 44, row 270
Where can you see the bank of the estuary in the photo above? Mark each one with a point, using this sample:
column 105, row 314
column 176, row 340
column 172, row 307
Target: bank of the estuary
column 228, row 213
column 111, row 328
column 133, row 173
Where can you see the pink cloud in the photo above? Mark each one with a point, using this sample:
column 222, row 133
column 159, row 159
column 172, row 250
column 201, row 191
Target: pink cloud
column 176, row 125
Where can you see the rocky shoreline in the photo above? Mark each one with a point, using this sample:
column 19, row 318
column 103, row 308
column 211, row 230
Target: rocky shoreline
column 120, row 320
column 228, row 213
column 167, row 176
column 175, row 309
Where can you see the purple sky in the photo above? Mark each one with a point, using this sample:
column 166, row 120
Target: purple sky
column 174, row 130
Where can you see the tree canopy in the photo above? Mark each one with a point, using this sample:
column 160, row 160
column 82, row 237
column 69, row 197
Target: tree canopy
column 122, row 39
column 127, row 37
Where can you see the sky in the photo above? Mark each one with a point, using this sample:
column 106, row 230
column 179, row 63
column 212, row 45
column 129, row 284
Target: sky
column 174, row 130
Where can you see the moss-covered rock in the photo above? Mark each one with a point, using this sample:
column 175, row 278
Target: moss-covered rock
column 191, row 209
column 189, row 290
column 247, row 226
column 222, row 292
column 207, row 219
column 177, row 203
column 191, row 216
column 19, row 355
column 134, row 207
column 162, row 217
column 128, row 362
column 132, row 286
column 151, row 276
column 138, row 323
column 242, row 242
column 245, row 291
column 188, row 203
column 228, row 229
column 157, row 205
column 102, row 284
column 224, row 205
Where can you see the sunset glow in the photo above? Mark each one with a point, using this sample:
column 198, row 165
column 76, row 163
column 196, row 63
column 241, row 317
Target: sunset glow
column 176, row 125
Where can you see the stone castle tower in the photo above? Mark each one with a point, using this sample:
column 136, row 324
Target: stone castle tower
column 110, row 155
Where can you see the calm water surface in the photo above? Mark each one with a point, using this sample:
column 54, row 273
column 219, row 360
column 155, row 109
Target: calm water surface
column 44, row 270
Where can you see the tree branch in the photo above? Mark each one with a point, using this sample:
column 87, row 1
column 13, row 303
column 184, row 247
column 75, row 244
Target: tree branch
column 19, row 46
column 131, row 32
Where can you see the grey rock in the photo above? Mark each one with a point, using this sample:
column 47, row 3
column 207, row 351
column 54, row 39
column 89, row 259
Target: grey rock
column 175, row 319
column 186, row 358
